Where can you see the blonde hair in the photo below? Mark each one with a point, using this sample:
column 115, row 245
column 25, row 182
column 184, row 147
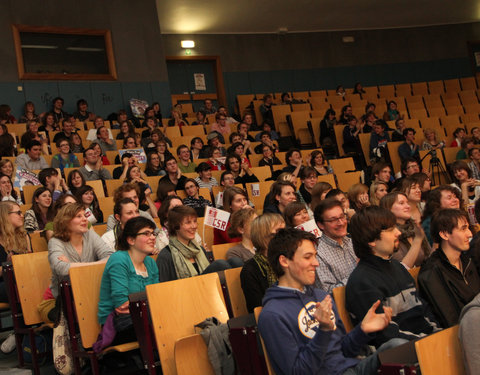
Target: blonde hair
column 430, row 130
column 261, row 230
column 12, row 239
column 373, row 189
column 62, row 220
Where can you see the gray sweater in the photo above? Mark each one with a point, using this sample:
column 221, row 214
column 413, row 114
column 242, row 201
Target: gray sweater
column 93, row 249
column 469, row 335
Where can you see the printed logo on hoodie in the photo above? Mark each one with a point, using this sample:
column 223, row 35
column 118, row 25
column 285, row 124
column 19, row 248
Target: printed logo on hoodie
column 307, row 324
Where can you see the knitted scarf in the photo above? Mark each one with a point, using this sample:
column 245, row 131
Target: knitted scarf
column 181, row 255
column 265, row 268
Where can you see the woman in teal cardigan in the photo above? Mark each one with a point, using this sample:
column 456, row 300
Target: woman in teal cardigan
column 127, row 271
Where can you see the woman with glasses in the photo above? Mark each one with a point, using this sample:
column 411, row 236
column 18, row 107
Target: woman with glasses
column 64, row 158
column 129, row 270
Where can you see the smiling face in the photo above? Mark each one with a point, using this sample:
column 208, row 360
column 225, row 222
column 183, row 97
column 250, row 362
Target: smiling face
column 300, row 270
column 35, row 152
column 334, row 223
column 461, row 174
column 188, row 229
column 143, row 242
column 300, row 217
column 286, row 196
column 401, row 208
column 44, row 200
column 87, row 198
column 7, row 168
column 459, row 239
column 449, row 200
column 415, row 193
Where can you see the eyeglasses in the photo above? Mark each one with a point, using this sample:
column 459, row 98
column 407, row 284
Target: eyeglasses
column 148, row 234
column 19, row 213
column 335, row 219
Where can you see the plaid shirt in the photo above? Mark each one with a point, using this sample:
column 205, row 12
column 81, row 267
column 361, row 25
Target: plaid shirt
column 336, row 262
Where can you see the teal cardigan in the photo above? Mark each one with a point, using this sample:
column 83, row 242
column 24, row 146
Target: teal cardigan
column 120, row 279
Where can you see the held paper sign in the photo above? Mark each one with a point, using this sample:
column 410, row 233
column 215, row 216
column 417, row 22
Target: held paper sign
column 139, row 153
column 255, row 190
column 310, row 226
column 25, row 177
column 216, row 218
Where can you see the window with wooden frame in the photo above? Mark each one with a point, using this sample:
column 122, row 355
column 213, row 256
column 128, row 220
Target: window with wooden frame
column 57, row 53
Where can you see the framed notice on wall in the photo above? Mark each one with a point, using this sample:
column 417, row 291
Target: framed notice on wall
column 200, row 82
column 474, row 55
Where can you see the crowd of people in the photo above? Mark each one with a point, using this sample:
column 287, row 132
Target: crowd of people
column 366, row 239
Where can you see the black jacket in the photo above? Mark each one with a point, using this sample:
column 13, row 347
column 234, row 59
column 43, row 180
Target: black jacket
column 445, row 288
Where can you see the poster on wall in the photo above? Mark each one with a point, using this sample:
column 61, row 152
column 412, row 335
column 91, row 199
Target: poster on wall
column 200, row 81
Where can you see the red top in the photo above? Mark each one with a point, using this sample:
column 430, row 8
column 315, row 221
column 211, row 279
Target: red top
column 221, row 237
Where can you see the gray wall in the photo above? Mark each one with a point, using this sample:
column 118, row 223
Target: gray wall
column 240, row 53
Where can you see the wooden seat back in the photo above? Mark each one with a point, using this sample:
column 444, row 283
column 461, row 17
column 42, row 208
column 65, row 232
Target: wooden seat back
column 440, row 353
column 235, row 292
column 342, row 165
column 220, row 251
column 257, row 312
column 345, row 180
column 38, row 242
column 32, row 276
column 191, row 356
column 339, row 297
column 177, row 306
column 86, row 296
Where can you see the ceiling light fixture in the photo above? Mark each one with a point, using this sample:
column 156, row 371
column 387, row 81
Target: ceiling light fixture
column 187, row 44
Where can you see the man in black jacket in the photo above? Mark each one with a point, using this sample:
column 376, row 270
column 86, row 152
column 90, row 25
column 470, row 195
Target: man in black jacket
column 379, row 277
column 449, row 280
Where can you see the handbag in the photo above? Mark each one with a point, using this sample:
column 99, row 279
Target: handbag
column 62, row 352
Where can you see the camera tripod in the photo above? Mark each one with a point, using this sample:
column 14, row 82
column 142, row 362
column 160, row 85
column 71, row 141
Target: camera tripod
column 436, row 168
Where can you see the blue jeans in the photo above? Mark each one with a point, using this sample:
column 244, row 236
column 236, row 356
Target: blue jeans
column 370, row 365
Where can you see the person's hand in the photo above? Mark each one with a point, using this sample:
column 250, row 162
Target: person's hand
column 155, row 251
column 109, row 141
column 57, row 184
column 63, row 258
column 427, row 172
column 123, row 308
column 246, row 144
column 373, row 322
column 63, row 184
column 125, row 162
column 419, row 233
column 324, row 314
column 308, row 159
column 364, row 200
column 5, row 190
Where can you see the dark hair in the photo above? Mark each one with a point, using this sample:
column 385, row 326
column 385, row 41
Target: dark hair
column 125, row 140
column 202, row 167
column 445, row 220
column 377, row 167
column 57, row 98
column 232, row 156
column 222, row 176
column 328, row 113
column 233, row 134
column 45, row 173
column 390, row 198
column 60, row 202
column 168, row 158
column 70, row 178
column 176, row 216
column 477, row 209
column 367, row 225
column 149, row 165
column 164, row 187
column 165, row 207
column 117, row 209
column 91, row 147
column 325, row 205
column 31, row 144
column 459, row 165
column 95, row 208
column 314, row 154
column 291, row 210
column 36, row 209
column 81, row 101
column 13, row 192
column 289, row 154
column 286, row 242
column 406, row 130
column 433, row 203
column 131, row 229
column 179, row 148
column 277, row 188
column 306, row 172
column 194, row 139
column 334, row 192
column 405, row 162
column 457, row 130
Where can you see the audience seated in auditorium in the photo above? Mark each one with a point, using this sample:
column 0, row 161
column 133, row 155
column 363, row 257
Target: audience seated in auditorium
column 358, row 196
column 351, row 141
column 201, row 118
column 308, row 176
column 266, row 127
column 205, row 179
column 184, row 257
column 475, row 134
column 409, row 149
column 184, row 160
column 63, row 200
column 215, row 159
column 221, row 127
column 378, row 190
column 458, row 135
column 177, row 119
column 72, row 245
column 33, row 133
column 127, row 271
column 266, row 140
column 238, row 149
column 41, row 211
column 345, row 114
column 68, row 128
column 93, row 168
column 82, row 113
column 223, row 110
column 319, row 191
column 378, row 277
column 343, row 199
column 32, row 159
column 193, row 199
column 281, row 194
column 327, row 132
column 57, row 109
column 317, row 161
column 75, row 180
column 54, row 182
column 208, row 107
column 463, row 181
column 382, row 172
column 241, row 171
column 269, row 159
column 294, row 161
column 378, row 141
column 474, row 164
column 266, row 108
column 300, row 325
column 213, row 139
column 400, row 126
column 29, row 113
column 131, row 191
column 7, row 142
column 174, row 174
column 466, row 144
column 104, row 140
column 88, row 199
column 295, row 214
column 392, row 114
column 234, row 199
column 413, row 247
column 197, row 148
column 240, row 223
column 334, row 249
column 257, row 274
column 449, row 279
column 64, row 158
column 7, row 192
column 412, row 191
